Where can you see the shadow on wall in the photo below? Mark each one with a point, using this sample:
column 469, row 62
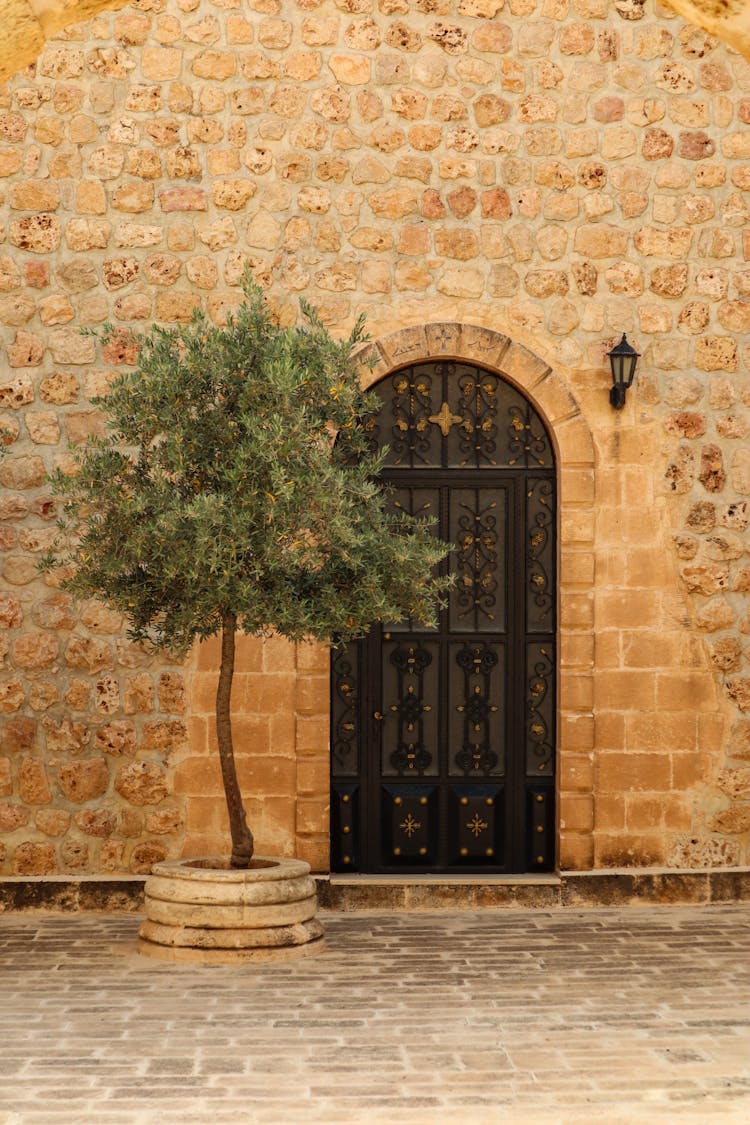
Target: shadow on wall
column 28, row 24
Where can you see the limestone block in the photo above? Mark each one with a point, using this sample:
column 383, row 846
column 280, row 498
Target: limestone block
column 89, row 654
column 55, row 310
column 457, row 243
column 87, row 234
column 492, row 37
column 417, row 168
column 351, row 70
column 39, row 234
column 161, row 64
column 302, row 66
column 34, row 859
column 16, row 392
column 732, row 820
column 83, row 780
column 145, row 855
column 52, row 822
column 714, row 615
column 331, row 102
column 66, row 736
column 685, row 424
column 320, row 31
column 164, row 734
column 741, row 471
column 142, row 783
column 706, row 578
column 716, row 353
column 96, row 822
column 35, row 650
column 403, row 38
column 22, row 472
column 12, row 816
column 163, row 821
column 116, row 738
column 601, row 241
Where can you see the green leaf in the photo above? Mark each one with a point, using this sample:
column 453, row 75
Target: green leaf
column 220, row 488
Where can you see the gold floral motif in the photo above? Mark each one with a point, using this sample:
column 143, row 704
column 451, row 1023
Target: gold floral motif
column 476, row 825
column 410, row 825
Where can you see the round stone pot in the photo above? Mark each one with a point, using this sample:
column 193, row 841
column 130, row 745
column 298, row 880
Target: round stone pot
column 203, row 911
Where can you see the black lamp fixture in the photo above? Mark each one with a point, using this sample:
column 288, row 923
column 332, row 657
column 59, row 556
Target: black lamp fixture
column 623, row 359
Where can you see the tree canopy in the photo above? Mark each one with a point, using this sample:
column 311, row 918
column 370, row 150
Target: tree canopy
column 236, row 477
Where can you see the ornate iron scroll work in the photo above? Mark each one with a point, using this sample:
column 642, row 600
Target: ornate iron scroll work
column 477, row 405
column 475, row 563
column 421, row 504
column 344, row 711
column 528, row 444
column 476, row 755
column 424, row 511
column 410, row 754
column 539, row 557
column 467, row 406
column 539, row 709
column 411, row 406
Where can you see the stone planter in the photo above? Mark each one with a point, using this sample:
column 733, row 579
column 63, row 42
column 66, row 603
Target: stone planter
column 203, row 911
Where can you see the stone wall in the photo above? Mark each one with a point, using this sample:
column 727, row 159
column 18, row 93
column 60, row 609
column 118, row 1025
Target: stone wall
column 559, row 171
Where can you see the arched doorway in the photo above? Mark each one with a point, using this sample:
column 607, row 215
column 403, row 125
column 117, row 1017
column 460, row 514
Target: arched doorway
column 443, row 740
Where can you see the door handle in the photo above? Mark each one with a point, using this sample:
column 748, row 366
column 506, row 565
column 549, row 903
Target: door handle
column 378, row 716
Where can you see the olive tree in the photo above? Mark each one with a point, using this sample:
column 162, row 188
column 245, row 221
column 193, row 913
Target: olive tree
column 235, row 489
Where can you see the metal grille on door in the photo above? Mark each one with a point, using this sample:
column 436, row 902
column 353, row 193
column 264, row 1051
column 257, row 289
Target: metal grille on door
column 443, row 739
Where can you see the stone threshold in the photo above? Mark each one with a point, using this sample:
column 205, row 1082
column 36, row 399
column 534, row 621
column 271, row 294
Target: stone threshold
column 613, row 887
column 579, row 889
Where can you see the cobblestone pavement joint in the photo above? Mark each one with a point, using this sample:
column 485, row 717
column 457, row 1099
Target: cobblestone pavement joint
column 617, row 1016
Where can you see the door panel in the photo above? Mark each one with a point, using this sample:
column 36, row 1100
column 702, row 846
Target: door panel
column 410, row 817
column 477, row 717
column 443, row 739
column 410, row 706
column 477, row 525
column 425, row 504
column 476, row 829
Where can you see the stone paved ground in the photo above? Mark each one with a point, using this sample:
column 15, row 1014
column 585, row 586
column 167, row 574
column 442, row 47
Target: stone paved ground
column 604, row 1015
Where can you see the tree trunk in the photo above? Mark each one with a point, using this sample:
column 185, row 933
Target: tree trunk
column 242, row 837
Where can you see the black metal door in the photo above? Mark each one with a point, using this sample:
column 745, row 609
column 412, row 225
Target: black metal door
column 443, row 739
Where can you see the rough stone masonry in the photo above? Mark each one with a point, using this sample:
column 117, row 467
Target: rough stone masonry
column 558, row 171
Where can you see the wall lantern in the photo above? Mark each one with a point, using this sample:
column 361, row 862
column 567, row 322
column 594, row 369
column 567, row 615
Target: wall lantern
column 623, row 359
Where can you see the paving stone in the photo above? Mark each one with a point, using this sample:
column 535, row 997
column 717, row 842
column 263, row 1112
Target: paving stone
column 615, row 1016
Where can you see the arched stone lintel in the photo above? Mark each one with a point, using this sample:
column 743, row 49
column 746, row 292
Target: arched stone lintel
column 424, row 343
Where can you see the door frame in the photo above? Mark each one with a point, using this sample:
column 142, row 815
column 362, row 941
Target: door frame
column 572, row 441
column 551, row 395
